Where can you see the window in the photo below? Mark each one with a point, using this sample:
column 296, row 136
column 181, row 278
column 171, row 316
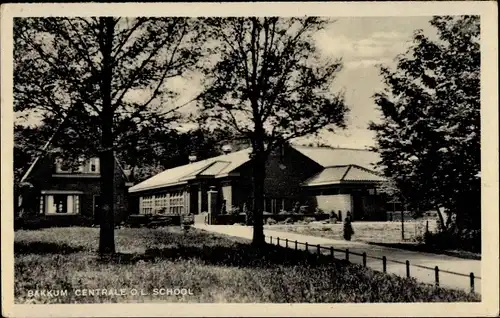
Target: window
column 146, row 205
column 62, row 166
column 94, row 165
column 84, row 166
column 60, row 204
column 176, row 202
column 41, row 204
column 163, row 203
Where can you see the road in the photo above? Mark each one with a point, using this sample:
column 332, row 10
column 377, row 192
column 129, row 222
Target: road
column 374, row 256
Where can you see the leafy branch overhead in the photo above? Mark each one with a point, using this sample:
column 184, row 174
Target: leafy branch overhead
column 59, row 63
column 268, row 78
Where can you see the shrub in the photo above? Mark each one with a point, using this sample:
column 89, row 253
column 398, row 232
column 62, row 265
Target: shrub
column 234, row 210
column 304, row 209
column 309, row 219
column 270, row 221
column 419, row 238
column 467, row 240
column 283, row 212
column 288, row 221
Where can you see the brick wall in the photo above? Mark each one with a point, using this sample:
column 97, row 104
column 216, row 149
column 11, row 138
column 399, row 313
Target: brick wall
column 284, row 175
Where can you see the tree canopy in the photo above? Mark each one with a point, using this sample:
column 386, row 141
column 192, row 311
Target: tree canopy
column 429, row 136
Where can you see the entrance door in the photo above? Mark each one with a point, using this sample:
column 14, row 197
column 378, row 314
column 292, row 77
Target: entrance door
column 358, row 212
column 97, row 209
column 193, row 200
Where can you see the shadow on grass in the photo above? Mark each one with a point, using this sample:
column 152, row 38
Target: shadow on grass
column 42, row 248
column 239, row 255
column 429, row 249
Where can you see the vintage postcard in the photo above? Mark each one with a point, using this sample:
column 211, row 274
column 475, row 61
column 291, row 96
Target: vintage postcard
column 250, row 159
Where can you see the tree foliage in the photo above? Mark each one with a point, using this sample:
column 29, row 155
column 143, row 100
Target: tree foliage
column 429, row 136
column 28, row 144
column 269, row 84
column 102, row 77
column 153, row 151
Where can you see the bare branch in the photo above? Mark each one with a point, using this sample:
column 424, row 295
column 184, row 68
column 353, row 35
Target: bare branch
column 119, row 46
column 137, row 71
column 84, row 45
column 168, row 67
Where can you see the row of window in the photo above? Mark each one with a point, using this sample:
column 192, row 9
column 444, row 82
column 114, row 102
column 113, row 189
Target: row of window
column 165, row 203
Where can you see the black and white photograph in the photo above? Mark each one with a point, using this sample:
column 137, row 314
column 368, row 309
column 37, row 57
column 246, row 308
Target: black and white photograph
column 289, row 155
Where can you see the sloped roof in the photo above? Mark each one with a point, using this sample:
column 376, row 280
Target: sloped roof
column 340, row 174
column 337, row 162
column 217, row 167
column 328, row 157
column 327, row 175
column 360, row 174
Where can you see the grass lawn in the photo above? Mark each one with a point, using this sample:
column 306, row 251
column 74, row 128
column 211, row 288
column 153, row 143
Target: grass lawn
column 214, row 268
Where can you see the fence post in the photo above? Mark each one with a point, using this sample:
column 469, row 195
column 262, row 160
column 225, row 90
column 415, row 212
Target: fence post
column 278, row 241
column 286, row 243
column 384, row 264
column 408, row 268
column 364, row 259
column 347, row 254
column 318, row 247
column 307, row 247
column 270, row 240
column 296, row 245
column 436, row 271
column 331, row 252
column 471, row 282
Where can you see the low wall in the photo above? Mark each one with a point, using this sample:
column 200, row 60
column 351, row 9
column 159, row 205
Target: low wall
column 241, row 218
column 396, row 216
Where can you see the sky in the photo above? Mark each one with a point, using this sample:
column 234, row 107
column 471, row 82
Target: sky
column 363, row 43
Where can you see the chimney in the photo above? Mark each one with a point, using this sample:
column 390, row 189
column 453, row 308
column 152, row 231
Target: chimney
column 226, row 149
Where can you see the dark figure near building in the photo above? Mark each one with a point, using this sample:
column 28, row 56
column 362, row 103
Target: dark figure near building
column 348, row 231
column 334, row 217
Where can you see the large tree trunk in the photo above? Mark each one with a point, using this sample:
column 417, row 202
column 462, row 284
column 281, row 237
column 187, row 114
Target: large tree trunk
column 259, row 174
column 441, row 218
column 107, row 230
